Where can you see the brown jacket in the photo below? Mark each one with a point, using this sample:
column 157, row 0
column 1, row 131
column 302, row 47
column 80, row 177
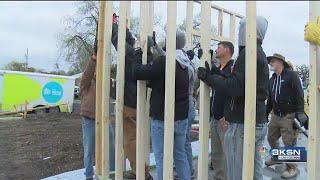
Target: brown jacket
column 88, row 91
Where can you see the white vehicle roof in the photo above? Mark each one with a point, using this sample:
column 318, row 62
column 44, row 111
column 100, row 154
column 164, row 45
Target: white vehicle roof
column 77, row 75
column 35, row 74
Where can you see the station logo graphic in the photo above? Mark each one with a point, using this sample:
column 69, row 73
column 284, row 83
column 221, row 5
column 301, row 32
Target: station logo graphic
column 284, row 154
column 289, row 154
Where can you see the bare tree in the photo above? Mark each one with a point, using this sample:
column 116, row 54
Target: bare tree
column 77, row 40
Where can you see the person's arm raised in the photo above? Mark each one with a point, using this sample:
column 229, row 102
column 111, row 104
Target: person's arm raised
column 88, row 74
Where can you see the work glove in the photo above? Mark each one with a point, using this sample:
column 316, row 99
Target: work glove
column 214, row 69
column 200, row 53
column 190, row 54
column 312, row 32
column 302, row 118
column 129, row 38
column 211, row 53
column 138, row 52
column 154, row 38
column 204, row 72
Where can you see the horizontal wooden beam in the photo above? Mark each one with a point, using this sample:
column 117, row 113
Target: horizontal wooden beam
column 216, row 38
column 216, row 7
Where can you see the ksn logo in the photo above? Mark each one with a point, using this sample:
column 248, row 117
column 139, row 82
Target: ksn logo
column 284, row 154
column 289, row 154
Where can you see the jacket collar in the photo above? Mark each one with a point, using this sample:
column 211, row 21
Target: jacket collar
column 284, row 71
column 229, row 63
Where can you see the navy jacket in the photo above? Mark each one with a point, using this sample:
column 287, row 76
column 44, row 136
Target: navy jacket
column 285, row 94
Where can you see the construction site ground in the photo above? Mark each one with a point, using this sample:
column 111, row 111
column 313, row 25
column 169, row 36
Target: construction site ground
column 50, row 144
column 40, row 146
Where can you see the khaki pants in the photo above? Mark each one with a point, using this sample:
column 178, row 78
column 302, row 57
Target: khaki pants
column 129, row 133
column 282, row 127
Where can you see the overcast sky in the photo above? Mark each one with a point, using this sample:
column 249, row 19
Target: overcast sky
column 35, row 25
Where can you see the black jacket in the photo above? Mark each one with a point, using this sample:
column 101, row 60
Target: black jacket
column 155, row 72
column 218, row 99
column 234, row 87
column 130, row 85
column 285, row 94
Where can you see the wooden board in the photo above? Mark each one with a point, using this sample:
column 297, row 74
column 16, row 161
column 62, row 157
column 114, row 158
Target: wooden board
column 124, row 6
column 204, row 109
column 232, row 30
column 147, row 112
column 105, row 114
column 169, row 90
column 216, row 7
column 141, row 95
column 314, row 108
column 189, row 23
column 250, row 92
column 99, row 71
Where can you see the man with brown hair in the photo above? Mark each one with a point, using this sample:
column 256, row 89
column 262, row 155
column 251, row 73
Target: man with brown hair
column 224, row 53
column 233, row 87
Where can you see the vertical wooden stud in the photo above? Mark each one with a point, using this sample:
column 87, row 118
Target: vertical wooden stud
column 250, row 92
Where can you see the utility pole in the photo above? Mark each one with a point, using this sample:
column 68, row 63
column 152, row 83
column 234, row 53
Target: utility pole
column 27, row 57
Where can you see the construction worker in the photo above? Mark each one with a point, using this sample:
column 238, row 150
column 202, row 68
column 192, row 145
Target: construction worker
column 88, row 103
column 286, row 103
column 224, row 53
column 130, row 103
column 233, row 87
column 155, row 73
column 193, row 86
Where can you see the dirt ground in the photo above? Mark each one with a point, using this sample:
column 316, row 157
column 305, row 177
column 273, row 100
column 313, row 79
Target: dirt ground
column 40, row 146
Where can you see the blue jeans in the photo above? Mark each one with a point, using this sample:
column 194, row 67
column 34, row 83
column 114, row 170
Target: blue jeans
column 233, row 147
column 179, row 151
column 88, row 139
column 191, row 116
